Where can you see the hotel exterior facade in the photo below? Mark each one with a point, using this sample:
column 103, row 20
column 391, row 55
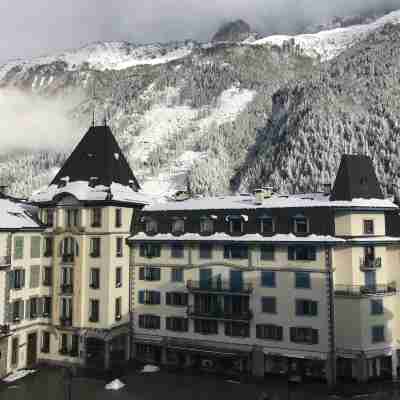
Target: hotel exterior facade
column 304, row 285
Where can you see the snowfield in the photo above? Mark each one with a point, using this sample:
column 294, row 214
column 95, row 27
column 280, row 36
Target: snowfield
column 329, row 44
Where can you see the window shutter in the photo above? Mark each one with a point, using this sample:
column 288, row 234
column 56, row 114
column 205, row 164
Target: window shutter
column 9, row 312
column 21, row 310
column 141, row 296
column 157, row 274
column 312, row 253
column 11, row 279
column 291, row 252
column 314, row 336
column 185, row 299
column 141, row 273
column 22, row 278
column 157, row 297
column 279, row 331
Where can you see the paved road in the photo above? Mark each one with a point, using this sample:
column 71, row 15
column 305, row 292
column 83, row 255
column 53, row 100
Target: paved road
column 49, row 384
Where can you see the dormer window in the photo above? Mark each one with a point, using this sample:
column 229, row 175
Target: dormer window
column 236, row 225
column 178, row 226
column 206, row 226
column 300, row 225
column 267, row 225
column 151, row 226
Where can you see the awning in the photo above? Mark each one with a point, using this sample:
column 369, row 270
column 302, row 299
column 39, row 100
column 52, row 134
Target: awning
column 208, row 351
column 295, row 354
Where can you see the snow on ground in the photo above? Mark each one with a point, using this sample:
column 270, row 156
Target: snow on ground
column 18, row 375
column 116, row 384
column 329, row 44
column 150, row 368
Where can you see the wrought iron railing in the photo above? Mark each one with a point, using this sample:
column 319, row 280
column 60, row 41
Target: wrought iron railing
column 370, row 263
column 216, row 285
column 197, row 312
column 67, row 258
column 67, row 288
column 363, row 290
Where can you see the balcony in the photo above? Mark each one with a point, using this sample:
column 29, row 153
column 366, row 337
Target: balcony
column 219, row 286
column 67, row 288
column 66, row 321
column 5, row 261
column 365, row 290
column 367, row 263
column 67, row 258
column 220, row 314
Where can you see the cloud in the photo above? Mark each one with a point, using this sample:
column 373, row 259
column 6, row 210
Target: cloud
column 43, row 26
column 30, row 122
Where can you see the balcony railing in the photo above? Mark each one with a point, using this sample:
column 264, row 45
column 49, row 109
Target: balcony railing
column 196, row 312
column 370, row 263
column 67, row 288
column 5, row 261
column 365, row 290
column 67, row 258
column 216, row 285
column 66, row 321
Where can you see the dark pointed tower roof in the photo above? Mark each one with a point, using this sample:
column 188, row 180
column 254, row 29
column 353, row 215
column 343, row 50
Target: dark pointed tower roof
column 97, row 155
column 355, row 179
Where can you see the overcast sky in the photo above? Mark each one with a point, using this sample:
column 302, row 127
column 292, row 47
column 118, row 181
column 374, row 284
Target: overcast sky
column 35, row 27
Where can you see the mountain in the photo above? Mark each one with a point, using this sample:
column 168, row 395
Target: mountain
column 216, row 117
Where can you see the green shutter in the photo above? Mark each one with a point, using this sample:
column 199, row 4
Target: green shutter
column 35, row 246
column 18, row 247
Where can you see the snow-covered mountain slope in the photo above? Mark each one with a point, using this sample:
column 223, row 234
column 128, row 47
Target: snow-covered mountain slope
column 108, row 55
column 330, row 43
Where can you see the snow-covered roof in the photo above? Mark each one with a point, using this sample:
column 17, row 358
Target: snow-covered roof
column 247, row 202
column 83, row 192
column 374, row 239
column 223, row 237
column 16, row 216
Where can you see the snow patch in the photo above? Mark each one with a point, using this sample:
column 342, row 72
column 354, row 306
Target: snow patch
column 150, row 368
column 116, row 384
column 18, row 375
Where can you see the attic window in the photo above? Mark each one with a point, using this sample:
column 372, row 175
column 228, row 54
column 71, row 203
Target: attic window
column 363, row 180
column 63, row 181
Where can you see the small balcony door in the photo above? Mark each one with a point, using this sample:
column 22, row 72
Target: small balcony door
column 370, row 278
column 236, row 281
column 205, row 278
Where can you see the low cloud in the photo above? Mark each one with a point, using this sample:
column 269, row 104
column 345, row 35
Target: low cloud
column 44, row 26
column 30, row 122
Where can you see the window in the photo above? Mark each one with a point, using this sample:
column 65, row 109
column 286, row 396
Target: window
column 306, row 308
column 47, row 276
column 66, row 308
column 269, row 332
column 67, row 276
column 34, row 276
column 176, row 275
column 64, row 344
column 377, row 307
column 68, row 249
column 74, row 346
column 94, row 310
column 206, row 327
column 177, row 250
column 147, row 321
column 300, row 225
column 35, row 246
column 95, row 250
column 305, row 253
column 45, row 342
column 302, row 280
column 48, row 217
column 18, row 248
column 17, row 310
column 236, row 252
column 368, row 226
column 118, row 217
column 118, row 304
column 48, row 247
column 236, row 225
column 178, row 226
column 267, row 225
column 267, row 253
column 378, row 334
column 206, row 226
column 118, row 277
column 304, row 335
column 71, row 217
column 176, row 299
column 95, row 278
column 177, row 324
column 17, row 279
column 268, row 279
column 119, row 247
column 149, row 297
column 206, row 250
column 46, row 307
column 14, row 351
column 268, row 305
column 149, row 274
column 150, row 250
column 237, row 329
column 151, row 226
column 96, row 217
column 33, row 310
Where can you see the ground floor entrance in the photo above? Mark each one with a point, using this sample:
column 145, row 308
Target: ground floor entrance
column 32, row 349
column 95, row 353
column 3, row 356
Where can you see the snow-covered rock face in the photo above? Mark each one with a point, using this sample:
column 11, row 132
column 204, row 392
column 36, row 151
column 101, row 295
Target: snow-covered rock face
column 330, row 43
